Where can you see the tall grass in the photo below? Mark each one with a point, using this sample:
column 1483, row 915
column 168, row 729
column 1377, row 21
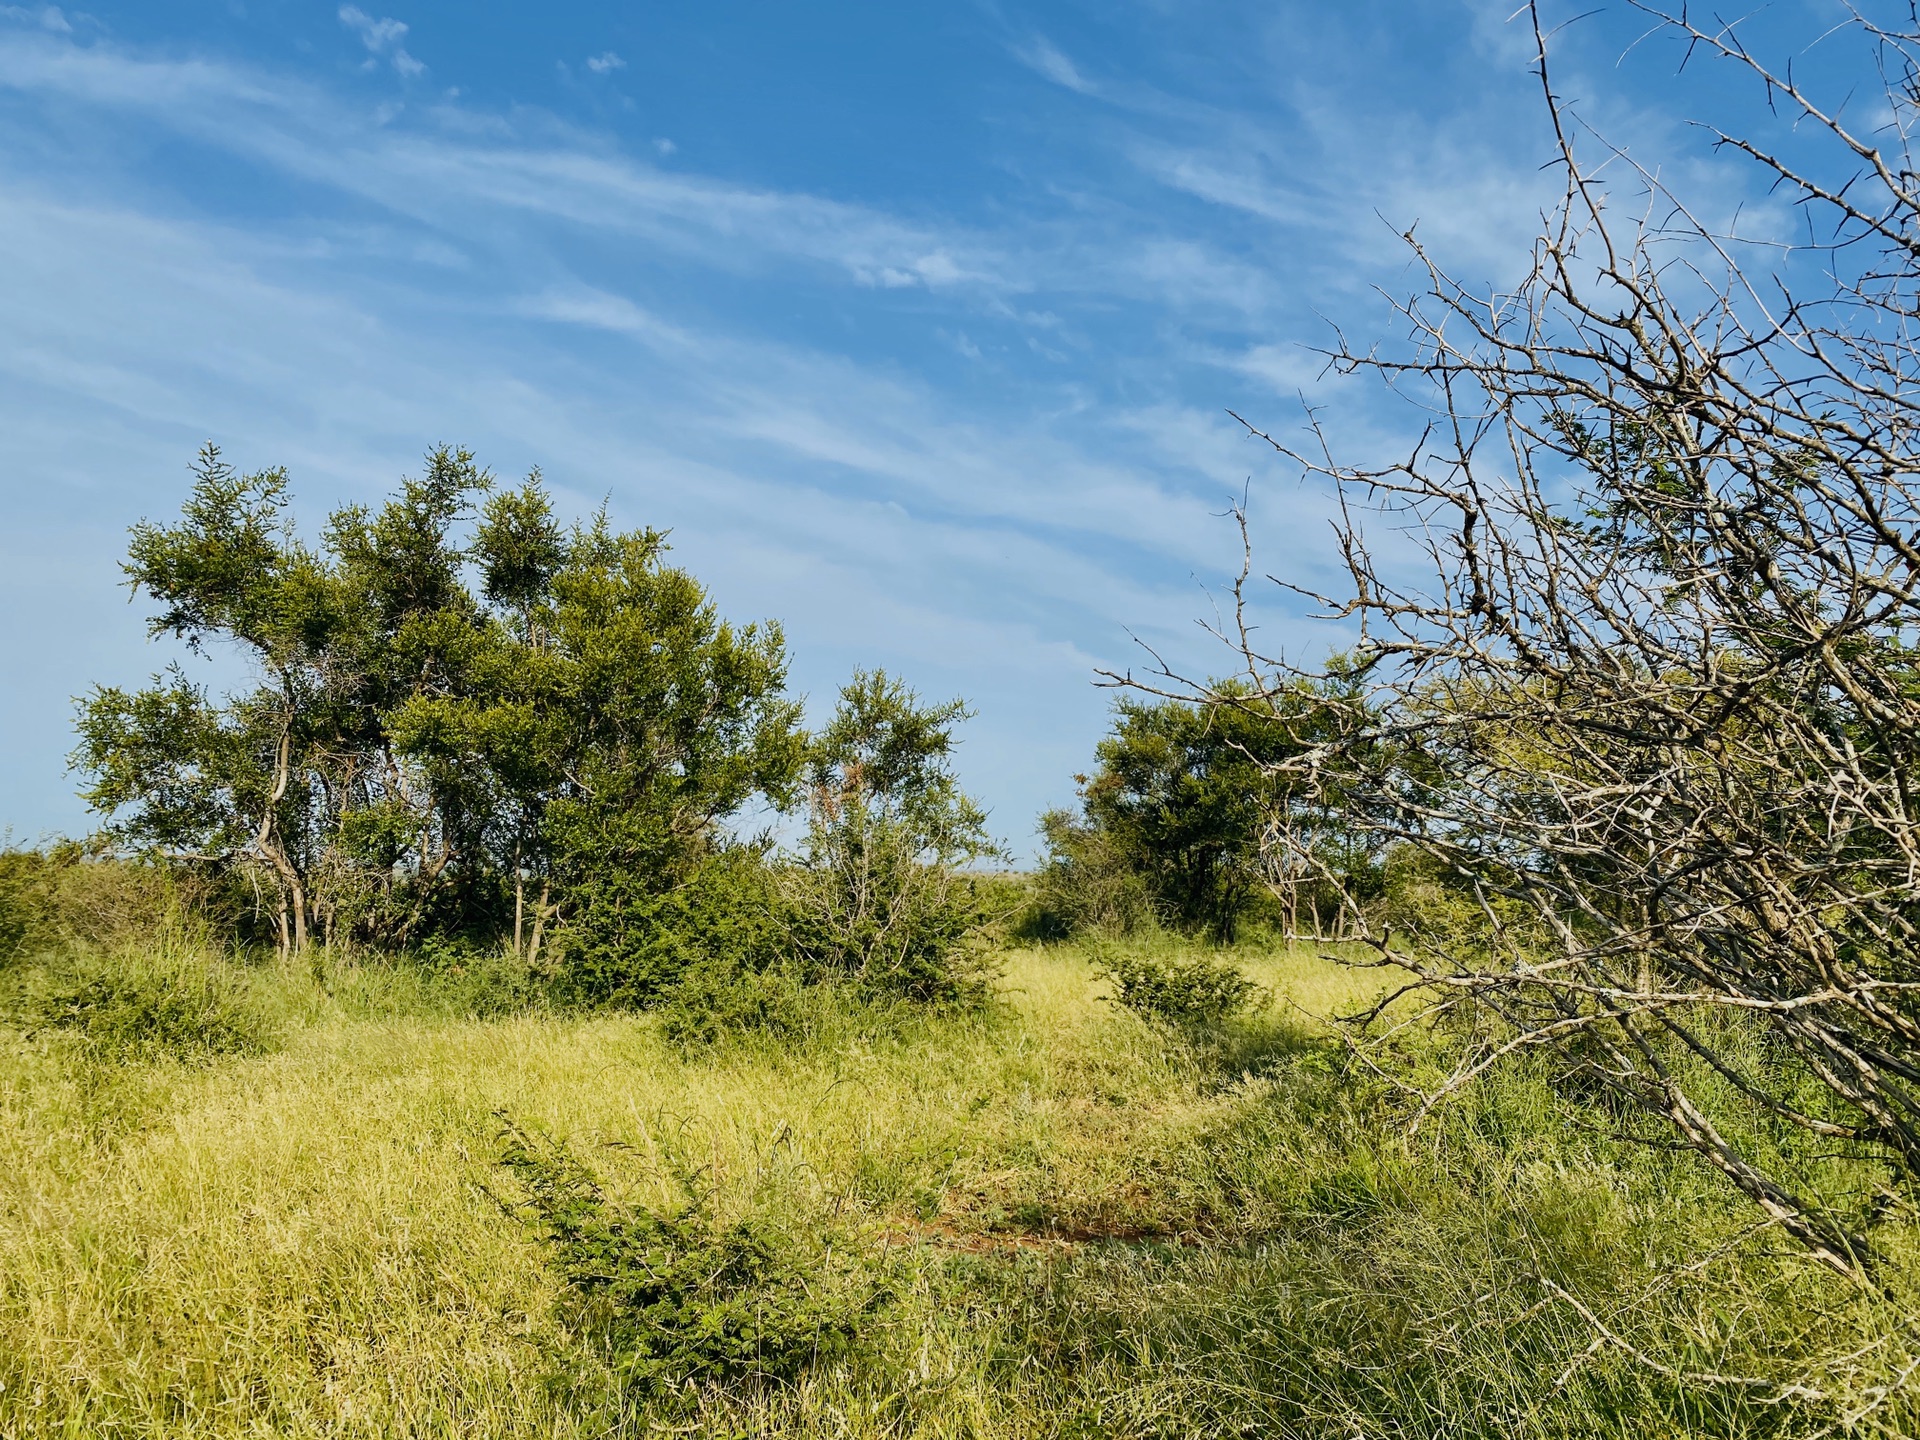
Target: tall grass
column 1086, row 1227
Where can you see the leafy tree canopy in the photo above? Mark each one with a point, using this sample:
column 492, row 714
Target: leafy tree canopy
column 455, row 717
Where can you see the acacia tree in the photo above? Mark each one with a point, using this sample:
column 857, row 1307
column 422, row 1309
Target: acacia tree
column 414, row 753
column 651, row 721
column 1654, row 696
column 417, row 821
column 191, row 776
column 1188, row 799
column 879, row 891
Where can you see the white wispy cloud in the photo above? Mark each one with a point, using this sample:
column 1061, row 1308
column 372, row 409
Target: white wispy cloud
column 451, row 163
column 605, row 63
column 438, row 173
column 47, row 17
column 601, row 310
column 1042, row 55
column 382, row 38
column 992, row 555
column 987, row 522
column 1202, row 174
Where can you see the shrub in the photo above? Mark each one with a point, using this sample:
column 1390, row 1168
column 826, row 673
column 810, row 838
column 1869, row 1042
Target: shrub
column 1004, row 897
column 866, row 905
column 1419, row 895
column 1193, row 993
column 880, row 892
column 73, row 894
column 18, row 912
column 789, row 1006
column 1088, row 886
column 714, row 1002
column 634, row 942
column 171, row 999
column 580, row 722
column 675, row 1301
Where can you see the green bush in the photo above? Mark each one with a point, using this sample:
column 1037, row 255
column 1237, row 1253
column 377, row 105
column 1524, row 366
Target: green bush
column 631, row 942
column 18, row 912
column 881, row 891
column 1089, row 886
column 1195, row 992
column 788, row 1007
column 1418, row 895
column 677, row 1301
column 1004, row 898
column 170, row 999
column 74, row 895
column 716, row 1002
column 867, row 906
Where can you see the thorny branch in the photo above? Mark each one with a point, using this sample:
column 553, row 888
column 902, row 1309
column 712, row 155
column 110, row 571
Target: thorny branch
column 1649, row 696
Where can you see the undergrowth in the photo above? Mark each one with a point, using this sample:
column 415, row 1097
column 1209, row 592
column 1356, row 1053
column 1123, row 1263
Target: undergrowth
column 1043, row 1220
column 675, row 1301
column 174, row 999
column 1164, row 986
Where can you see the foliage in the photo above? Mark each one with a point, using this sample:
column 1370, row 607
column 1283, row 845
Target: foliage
column 454, row 975
column 654, row 720
column 721, row 913
column 171, row 999
column 66, row 907
column 678, row 1301
column 74, row 895
column 553, row 753
column 1192, row 820
column 1198, row 991
column 1088, row 886
column 878, row 893
column 21, row 908
column 1648, row 698
column 713, row 1002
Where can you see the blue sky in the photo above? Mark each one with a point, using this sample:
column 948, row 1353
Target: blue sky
column 917, row 324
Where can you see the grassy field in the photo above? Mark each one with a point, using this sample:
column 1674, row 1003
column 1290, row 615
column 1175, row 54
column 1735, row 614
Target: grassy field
column 1072, row 1224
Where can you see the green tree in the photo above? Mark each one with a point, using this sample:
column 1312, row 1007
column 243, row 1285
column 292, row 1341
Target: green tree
column 413, row 812
column 650, row 721
column 187, row 775
column 416, row 754
column 1187, row 818
column 880, row 892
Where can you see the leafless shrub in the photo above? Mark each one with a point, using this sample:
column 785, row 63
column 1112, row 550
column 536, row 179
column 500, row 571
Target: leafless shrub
column 1654, row 699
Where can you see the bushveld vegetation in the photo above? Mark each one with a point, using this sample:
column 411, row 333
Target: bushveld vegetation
column 400, row 1211
column 1506, row 1029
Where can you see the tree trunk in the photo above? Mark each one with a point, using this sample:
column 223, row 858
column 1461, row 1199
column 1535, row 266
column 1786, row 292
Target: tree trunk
column 299, row 915
column 519, row 900
column 292, row 889
column 540, row 913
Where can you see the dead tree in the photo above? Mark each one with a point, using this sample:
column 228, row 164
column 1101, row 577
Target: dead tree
column 1651, row 691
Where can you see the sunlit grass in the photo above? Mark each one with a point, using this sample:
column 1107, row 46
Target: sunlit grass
column 1090, row 1228
column 307, row 1237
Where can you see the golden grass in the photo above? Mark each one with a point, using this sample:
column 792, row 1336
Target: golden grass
column 306, row 1244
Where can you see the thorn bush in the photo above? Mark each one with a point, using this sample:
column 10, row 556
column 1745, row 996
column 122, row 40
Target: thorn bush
column 678, row 1301
column 171, row 1002
column 1190, row 993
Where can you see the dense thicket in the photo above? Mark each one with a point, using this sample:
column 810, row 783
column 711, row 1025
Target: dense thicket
column 465, row 716
column 469, row 722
